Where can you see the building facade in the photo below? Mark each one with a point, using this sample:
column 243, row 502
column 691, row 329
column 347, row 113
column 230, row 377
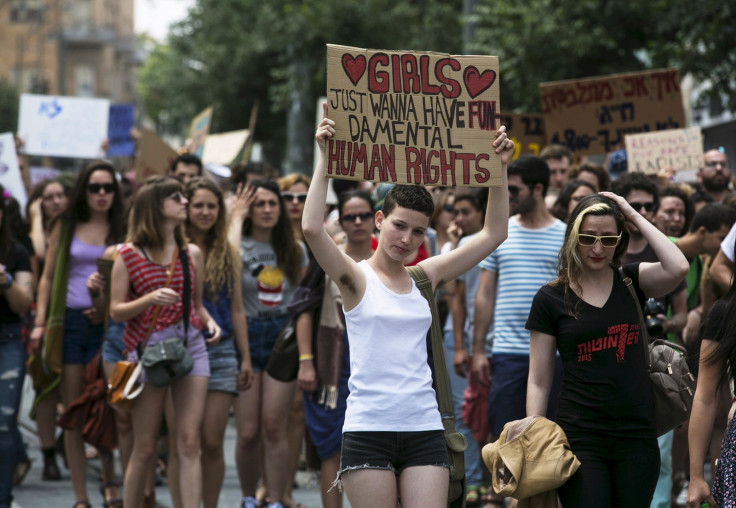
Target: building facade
column 84, row 48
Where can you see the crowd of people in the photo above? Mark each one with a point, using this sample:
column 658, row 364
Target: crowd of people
column 526, row 276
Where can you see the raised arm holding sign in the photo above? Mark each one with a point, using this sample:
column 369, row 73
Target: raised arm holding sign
column 387, row 320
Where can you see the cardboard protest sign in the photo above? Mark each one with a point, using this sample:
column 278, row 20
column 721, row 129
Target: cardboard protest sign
column 225, row 148
column 10, row 176
column 154, row 156
column 198, row 131
column 412, row 117
column 681, row 149
column 122, row 119
column 63, row 126
column 593, row 115
column 526, row 131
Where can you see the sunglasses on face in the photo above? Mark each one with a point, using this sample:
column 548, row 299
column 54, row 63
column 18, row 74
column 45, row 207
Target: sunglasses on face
column 649, row 207
column 291, row 196
column 177, row 196
column 448, row 207
column 95, row 188
column 606, row 241
column 351, row 217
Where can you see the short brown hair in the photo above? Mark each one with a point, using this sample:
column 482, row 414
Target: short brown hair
column 555, row 152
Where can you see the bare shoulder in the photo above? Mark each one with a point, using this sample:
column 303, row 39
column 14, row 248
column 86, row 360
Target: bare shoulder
column 195, row 252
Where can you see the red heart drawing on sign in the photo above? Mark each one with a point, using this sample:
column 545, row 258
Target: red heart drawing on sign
column 476, row 82
column 354, row 67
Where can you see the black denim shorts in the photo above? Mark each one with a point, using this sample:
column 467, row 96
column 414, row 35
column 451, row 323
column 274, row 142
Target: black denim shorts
column 392, row 451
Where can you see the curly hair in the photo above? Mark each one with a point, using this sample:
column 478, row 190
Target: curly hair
column 222, row 264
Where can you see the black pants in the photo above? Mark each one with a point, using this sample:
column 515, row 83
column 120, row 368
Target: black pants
column 613, row 473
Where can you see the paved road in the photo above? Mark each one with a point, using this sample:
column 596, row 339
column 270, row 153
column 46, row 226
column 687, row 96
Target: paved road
column 35, row 493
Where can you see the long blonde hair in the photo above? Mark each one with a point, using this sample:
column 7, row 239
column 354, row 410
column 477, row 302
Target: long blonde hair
column 221, row 259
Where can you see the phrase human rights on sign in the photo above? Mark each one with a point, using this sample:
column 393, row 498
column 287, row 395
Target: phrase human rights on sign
column 412, row 117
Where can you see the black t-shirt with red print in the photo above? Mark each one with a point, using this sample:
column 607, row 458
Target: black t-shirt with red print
column 605, row 385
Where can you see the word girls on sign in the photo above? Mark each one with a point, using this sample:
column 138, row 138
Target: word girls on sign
column 412, row 117
column 593, row 115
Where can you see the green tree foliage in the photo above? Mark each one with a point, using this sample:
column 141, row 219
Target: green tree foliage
column 230, row 53
column 9, row 102
column 549, row 40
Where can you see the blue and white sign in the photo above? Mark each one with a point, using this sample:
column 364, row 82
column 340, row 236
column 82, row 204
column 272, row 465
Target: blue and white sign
column 10, row 171
column 63, row 126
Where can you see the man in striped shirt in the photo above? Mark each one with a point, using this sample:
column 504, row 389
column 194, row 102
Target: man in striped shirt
column 510, row 277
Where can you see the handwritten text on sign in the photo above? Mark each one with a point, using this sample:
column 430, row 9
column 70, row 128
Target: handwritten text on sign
column 412, row 117
column 526, row 131
column 681, row 149
column 593, row 115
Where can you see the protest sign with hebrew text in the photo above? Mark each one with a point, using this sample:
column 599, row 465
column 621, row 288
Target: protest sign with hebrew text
column 593, row 115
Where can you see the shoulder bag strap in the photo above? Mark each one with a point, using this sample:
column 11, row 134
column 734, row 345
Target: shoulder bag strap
column 438, row 349
column 156, row 311
column 187, row 296
column 642, row 325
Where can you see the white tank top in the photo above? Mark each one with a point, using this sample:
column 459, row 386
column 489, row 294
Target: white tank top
column 390, row 380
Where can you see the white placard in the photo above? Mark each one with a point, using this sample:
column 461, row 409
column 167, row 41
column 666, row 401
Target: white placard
column 63, row 126
column 10, row 171
column 224, row 148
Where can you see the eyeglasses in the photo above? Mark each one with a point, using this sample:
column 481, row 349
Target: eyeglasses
column 291, row 196
column 606, row 241
column 95, row 188
column 177, row 196
column 649, row 207
column 351, row 217
column 715, row 164
column 448, row 207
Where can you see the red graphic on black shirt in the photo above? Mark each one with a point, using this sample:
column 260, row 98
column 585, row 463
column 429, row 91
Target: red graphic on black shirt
column 618, row 337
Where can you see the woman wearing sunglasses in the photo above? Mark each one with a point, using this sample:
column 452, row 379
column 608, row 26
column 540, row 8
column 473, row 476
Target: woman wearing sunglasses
column 154, row 311
column 274, row 262
column 587, row 314
column 294, row 189
column 92, row 220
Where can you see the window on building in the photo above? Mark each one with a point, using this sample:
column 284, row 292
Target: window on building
column 26, row 11
column 84, row 80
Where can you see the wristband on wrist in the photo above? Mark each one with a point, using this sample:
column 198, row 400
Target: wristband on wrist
column 304, row 358
column 8, row 282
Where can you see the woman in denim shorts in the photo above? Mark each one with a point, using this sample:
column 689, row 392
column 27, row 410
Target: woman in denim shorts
column 149, row 278
column 207, row 228
column 393, row 428
column 91, row 221
column 273, row 263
